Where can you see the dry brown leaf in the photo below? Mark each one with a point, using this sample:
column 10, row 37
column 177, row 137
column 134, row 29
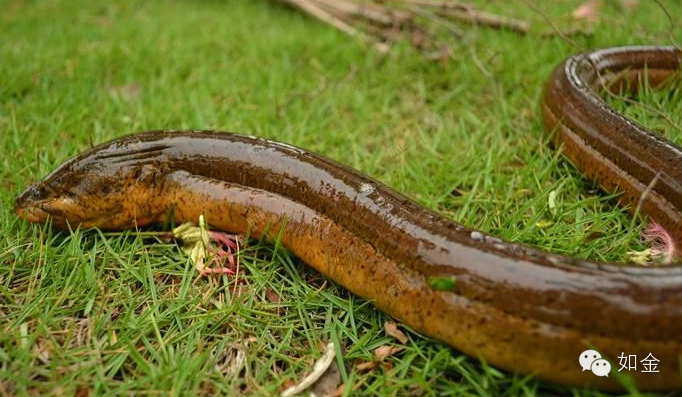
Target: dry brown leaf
column 83, row 391
column 365, row 366
column 588, row 11
column 289, row 383
column 387, row 366
column 392, row 330
column 339, row 391
column 272, row 296
column 383, row 352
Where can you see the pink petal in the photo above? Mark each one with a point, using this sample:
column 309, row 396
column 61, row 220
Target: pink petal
column 589, row 10
column 229, row 240
column 661, row 241
column 227, row 246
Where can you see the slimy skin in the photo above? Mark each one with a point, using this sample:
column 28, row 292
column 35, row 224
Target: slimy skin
column 519, row 309
column 607, row 147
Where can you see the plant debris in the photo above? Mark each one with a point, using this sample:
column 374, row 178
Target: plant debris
column 383, row 352
column 589, row 10
column 426, row 25
column 211, row 252
column 663, row 248
column 392, row 330
column 319, row 369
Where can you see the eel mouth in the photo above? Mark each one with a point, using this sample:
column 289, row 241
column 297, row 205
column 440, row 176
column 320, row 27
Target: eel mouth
column 32, row 213
column 26, row 206
column 34, row 206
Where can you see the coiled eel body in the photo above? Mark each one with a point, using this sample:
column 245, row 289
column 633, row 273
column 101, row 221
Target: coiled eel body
column 518, row 308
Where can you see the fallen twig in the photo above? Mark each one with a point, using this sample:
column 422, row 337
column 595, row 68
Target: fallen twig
column 318, row 370
column 491, row 20
column 313, row 9
column 468, row 13
column 420, row 22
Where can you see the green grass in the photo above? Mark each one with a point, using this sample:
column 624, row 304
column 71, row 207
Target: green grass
column 84, row 313
column 659, row 109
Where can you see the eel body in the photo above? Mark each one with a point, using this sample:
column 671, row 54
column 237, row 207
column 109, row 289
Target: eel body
column 518, row 308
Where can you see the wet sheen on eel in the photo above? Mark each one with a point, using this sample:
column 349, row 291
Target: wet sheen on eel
column 518, row 308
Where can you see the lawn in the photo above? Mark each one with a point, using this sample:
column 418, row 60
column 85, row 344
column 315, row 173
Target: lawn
column 85, row 313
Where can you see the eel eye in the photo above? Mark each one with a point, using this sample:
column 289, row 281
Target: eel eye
column 38, row 193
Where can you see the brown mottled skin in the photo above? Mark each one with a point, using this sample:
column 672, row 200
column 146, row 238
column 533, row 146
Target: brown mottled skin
column 520, row 309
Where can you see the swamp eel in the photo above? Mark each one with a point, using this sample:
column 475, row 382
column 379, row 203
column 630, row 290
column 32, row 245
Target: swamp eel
column 518, row 308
